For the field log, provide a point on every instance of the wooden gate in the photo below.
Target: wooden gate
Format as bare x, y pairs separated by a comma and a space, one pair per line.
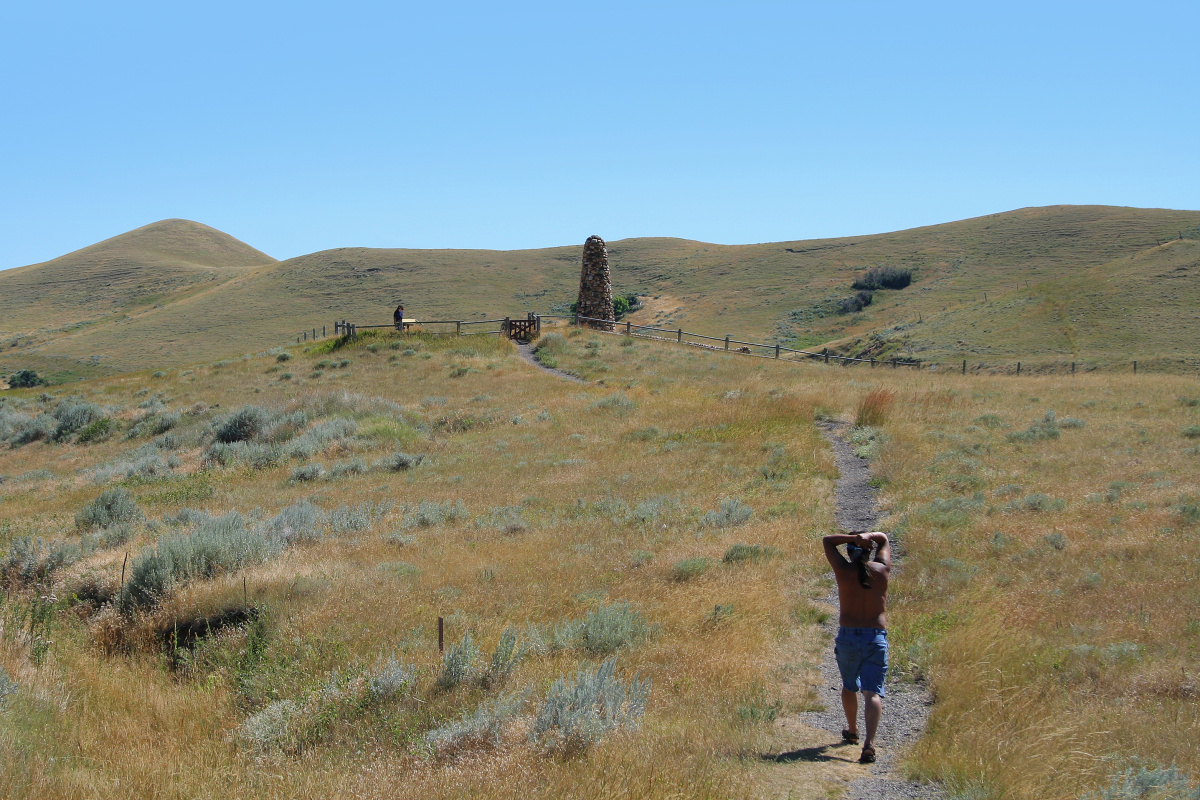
526, 329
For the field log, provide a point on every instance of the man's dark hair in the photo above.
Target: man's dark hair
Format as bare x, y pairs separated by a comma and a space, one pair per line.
859, 557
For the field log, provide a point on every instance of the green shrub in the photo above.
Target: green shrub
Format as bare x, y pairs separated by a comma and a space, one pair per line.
25, 379
505, 657
578, 713
309, 472
112, 507
253, 454
73, 415
616, 402
883, 278
1148, 783
1045, 428
429, 514
1189, 402
480, 728
243, 425
611, 627
399, 462
690, 568
96, 431
459, 663
1191, 432
217, 545
733, 512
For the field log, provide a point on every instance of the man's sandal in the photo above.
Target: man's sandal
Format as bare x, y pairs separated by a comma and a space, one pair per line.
868, 756
849, 737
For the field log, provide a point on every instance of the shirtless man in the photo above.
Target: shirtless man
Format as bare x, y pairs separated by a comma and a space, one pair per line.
861, 646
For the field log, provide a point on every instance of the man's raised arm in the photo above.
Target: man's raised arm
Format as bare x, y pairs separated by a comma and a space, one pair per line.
831, 542
883, 552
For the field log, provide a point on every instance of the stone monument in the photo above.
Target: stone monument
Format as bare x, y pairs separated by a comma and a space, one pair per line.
595, 286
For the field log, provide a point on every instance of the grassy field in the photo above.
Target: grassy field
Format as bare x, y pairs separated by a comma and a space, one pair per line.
1093, 284
161, 647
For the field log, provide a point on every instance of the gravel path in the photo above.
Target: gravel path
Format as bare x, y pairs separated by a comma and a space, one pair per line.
906, 706
525, 349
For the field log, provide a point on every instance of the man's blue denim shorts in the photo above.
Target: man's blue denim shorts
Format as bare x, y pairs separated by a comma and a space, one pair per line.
862, 658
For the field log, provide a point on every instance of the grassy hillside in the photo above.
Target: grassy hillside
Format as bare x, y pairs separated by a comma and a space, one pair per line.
1049, 529
101, 286
1064, 282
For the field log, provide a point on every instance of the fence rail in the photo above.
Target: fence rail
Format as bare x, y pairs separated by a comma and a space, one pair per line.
768, 351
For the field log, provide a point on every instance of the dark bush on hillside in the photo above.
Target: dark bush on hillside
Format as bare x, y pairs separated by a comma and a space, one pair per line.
622, 305
243, 425
857, 302
883, 278
24, 379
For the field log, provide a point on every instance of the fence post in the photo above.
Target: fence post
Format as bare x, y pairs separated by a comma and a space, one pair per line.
322, 331
727, 341
893, 363
826, 355
680, 337
777, 351
504, 327
575, 319
964, 366
314, 334
306, 336
1072, 367
458, 327
628, 328
872, 363
441, 634
1135, 368
1018, 367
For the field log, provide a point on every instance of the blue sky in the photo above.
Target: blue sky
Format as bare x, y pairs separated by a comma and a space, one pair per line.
299, 128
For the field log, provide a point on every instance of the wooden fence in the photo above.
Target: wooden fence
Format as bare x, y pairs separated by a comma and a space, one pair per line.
532, 324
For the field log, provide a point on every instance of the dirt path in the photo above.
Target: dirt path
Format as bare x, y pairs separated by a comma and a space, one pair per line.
525, 349
906, 707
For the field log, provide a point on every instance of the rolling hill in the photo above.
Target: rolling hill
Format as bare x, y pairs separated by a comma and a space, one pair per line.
1063, 281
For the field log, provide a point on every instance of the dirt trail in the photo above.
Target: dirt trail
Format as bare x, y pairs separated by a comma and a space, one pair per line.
525, 349
906, 708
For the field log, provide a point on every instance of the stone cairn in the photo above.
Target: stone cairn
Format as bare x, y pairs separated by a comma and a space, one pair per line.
595, 287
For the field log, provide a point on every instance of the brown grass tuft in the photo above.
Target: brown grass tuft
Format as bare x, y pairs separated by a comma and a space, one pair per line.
874, 406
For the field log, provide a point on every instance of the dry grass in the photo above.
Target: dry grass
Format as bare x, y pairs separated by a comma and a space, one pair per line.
873, 408
1046, 593
110, 714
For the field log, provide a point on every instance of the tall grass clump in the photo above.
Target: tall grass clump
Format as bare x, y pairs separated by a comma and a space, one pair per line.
873, 408
113, 506
580, 712
689, 568
741, 553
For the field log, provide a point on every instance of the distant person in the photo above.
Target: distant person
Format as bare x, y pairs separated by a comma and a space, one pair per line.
398, 317
861, 646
